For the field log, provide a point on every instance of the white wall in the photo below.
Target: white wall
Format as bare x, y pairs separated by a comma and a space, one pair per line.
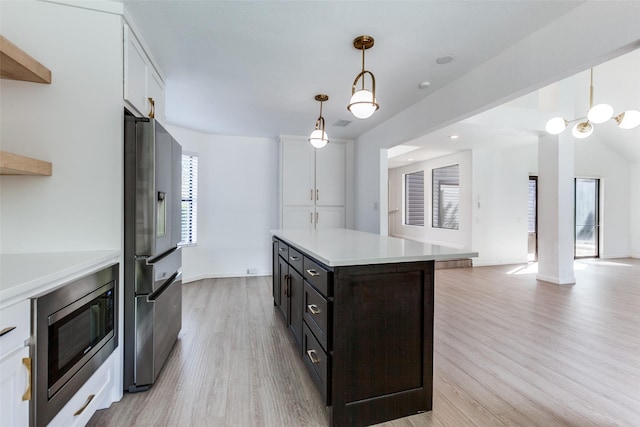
75, 123
500, 194
237, 204
634, 209
595, 160
460, 238
498, 201
544, 57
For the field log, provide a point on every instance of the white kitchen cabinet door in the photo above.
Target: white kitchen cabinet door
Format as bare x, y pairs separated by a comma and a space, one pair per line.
298, 217
329, 217
14, 382
298, 186
331, 175
135, 73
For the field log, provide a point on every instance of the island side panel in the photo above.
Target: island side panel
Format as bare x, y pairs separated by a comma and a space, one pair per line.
383, 342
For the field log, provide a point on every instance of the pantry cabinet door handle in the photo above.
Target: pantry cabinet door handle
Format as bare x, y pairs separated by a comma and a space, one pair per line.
6, 330
313, 273
311, 217
152, 112
294, 258
313, 309
311, 194
26, 361
313, 356
89, 399
317, 194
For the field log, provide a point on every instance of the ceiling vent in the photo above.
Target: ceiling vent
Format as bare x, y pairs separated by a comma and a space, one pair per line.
341, 123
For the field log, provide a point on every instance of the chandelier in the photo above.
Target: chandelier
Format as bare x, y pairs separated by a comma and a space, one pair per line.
597, 114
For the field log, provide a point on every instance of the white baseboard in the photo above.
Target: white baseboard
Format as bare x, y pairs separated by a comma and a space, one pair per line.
194, 278
564, 281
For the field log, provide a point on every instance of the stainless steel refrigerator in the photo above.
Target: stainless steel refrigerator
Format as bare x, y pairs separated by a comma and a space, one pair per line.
152, 257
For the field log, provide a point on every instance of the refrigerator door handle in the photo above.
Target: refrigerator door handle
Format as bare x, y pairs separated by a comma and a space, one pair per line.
174, 277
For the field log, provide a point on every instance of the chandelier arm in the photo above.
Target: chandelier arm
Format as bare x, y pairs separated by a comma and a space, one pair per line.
591, 90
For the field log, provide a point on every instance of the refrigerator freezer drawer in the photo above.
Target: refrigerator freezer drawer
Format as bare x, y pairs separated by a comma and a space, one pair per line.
152, 273
154, 339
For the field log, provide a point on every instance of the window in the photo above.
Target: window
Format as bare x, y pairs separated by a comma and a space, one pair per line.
414, 198
446, 197
586, 217
189, 199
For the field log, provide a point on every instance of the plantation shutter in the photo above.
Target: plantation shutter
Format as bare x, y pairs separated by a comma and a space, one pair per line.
414, 198
189, 199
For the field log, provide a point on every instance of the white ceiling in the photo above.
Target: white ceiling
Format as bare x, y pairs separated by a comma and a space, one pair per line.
252, 68
521, 121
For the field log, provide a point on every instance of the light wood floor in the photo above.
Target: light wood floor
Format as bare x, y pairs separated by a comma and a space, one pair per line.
508, 351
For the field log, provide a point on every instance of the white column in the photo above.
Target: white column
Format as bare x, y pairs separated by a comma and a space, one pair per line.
556, 208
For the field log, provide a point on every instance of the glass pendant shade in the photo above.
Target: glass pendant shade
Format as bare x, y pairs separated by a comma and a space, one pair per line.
582, 130
362, 104
629, 119
600, 113
556, 125
318, 138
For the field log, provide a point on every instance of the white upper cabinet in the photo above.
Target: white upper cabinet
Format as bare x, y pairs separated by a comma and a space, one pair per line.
313, 184
331, 172
298, 186
143, 86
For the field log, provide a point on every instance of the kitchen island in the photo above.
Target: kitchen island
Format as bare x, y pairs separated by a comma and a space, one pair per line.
360, 309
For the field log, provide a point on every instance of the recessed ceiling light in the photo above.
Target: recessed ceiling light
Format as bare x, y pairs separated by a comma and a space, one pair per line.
410, 160
444, 59
424, 85
454, 136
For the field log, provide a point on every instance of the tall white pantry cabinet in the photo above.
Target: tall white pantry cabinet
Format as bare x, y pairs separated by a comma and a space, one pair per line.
312, 184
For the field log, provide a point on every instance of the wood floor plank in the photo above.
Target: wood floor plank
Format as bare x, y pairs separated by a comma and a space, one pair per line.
509, 350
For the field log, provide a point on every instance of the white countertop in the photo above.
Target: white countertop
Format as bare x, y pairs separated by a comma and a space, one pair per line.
341, 247
24, 276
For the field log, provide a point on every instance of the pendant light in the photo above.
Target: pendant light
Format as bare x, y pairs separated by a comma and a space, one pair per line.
597, 114
363, 101
319, 137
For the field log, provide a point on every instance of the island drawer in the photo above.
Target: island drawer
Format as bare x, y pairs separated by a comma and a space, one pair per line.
283, 249
295, 259
318, 276
317, 363
317, 312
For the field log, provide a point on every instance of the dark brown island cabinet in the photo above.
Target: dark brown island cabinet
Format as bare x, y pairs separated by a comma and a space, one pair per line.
360, 309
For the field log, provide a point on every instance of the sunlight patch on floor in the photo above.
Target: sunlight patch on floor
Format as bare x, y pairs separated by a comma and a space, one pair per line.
578, 265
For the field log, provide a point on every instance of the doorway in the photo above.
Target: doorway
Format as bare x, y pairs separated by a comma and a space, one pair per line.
587, 222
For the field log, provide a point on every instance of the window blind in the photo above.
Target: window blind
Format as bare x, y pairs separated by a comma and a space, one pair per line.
414, 198
189, 223
446, 197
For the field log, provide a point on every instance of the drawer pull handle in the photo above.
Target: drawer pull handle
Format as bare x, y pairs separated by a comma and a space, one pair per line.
294, 258
6, 330
26, 361
313, 309
313, 273
313, 356
89, 399
283, 249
